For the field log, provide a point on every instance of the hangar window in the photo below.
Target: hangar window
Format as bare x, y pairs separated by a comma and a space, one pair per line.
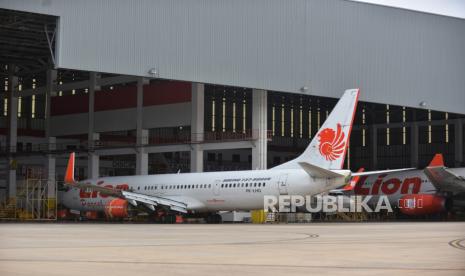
273, 119
234, 116
404, 129
292, 121
446, 116
224, 115
244, 115
213, 114
310, 122
300, 121
318, 117
429, 127
282, 118
388, 131
363, 129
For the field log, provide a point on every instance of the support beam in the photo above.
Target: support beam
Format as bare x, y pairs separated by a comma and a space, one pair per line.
142, 157
49, 93
259, 125
93, 159
50, 170
197, 126
50, 160
459, 143
142, 160
12, 137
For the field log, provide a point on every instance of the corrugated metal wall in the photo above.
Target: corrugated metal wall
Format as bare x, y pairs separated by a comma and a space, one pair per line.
396, 56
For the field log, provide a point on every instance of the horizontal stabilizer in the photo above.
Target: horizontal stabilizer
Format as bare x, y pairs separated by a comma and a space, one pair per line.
380, 172
318, 171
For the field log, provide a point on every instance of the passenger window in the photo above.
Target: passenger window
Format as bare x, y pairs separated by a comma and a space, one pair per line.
209, 185
255, 184
234, 185
246, 184
264, 184
259, 184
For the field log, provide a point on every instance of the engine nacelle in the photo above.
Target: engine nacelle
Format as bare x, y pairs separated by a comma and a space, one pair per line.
422, 204
117, 208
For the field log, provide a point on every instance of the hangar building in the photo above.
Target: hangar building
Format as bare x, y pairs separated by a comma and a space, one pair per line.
138, 87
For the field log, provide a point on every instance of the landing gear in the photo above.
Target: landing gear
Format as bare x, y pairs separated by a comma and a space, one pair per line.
214, 219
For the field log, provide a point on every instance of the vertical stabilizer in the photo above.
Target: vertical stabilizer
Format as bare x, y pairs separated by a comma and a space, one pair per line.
328, 147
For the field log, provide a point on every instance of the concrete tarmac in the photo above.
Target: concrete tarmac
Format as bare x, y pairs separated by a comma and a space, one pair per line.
436, 248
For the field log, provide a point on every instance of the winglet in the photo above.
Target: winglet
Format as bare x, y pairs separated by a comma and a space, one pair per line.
438, 161
69, 176
351, 185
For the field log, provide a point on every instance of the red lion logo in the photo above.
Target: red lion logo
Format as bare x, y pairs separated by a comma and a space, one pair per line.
332, 143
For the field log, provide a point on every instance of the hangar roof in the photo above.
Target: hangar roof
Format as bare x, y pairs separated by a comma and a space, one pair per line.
318, 47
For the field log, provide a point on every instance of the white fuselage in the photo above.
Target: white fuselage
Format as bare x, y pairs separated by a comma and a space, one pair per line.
206, 192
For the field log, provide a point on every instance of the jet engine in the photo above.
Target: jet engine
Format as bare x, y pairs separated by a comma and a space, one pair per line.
422, 204
117, 208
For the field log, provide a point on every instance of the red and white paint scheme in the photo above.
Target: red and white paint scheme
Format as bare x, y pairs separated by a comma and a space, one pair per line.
414, 192
317, 170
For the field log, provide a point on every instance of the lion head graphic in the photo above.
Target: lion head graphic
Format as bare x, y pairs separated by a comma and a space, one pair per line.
331, 143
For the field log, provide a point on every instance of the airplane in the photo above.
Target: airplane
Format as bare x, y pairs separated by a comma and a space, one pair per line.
433, 190
318, 169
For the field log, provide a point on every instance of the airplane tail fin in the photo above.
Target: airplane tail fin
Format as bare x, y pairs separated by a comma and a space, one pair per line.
69, 175
437, 161
328, 147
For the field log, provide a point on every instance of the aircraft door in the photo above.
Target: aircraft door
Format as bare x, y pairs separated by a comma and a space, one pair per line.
216, 187
282, 184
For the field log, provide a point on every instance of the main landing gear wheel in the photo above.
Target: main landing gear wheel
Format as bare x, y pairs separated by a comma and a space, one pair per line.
214, 219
